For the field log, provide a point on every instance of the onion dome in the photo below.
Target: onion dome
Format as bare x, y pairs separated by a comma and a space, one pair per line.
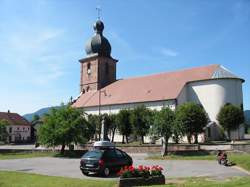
98, 44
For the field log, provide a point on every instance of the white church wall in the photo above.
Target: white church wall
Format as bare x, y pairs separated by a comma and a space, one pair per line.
182, 97
113, 109
214, 94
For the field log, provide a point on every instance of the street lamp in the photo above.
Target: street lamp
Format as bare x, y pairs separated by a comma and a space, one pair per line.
103, 128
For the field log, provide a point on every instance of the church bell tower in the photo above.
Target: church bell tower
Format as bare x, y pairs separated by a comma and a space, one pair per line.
98, 69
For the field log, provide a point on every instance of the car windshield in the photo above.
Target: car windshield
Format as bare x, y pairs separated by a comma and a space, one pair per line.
93, 154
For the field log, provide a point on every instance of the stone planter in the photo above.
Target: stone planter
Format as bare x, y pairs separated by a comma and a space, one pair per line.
140, 181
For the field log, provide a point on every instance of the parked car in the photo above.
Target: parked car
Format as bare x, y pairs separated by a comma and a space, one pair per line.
104, 160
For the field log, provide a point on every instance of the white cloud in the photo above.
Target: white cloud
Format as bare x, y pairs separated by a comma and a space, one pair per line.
169, 52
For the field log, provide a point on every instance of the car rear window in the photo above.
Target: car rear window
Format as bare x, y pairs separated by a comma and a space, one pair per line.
93, 154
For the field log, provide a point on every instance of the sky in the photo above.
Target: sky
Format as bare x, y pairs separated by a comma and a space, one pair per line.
41, 42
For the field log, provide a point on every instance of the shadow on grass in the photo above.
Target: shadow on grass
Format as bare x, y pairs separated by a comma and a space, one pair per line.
190, 153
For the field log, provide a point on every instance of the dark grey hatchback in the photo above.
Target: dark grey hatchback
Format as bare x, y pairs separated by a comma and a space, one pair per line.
104, 161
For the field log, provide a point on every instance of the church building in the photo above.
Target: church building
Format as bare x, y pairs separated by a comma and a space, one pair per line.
212, 86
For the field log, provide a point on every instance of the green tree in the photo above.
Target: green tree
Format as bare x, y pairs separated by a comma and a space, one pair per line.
230, 117
64, 126
36, 122
178, 131
193, 118
3, 130
110, 124
141, 119
123, 124
95, 122
163, 126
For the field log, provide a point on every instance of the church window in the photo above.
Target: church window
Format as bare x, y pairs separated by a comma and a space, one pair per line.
88, 68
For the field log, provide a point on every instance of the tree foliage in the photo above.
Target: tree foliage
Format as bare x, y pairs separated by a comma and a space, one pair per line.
123, 123
141, 119
163, 126
193, 118
64, 126
230, 117
95, 122
111, 124
3, 130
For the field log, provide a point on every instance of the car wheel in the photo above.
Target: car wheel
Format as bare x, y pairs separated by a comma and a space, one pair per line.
85, 173
106, 172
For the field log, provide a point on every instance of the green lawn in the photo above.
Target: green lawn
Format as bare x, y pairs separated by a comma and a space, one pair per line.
17, 179
5, 156
208, 182
242, 160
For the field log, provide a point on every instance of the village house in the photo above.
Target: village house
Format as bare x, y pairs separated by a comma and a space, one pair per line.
18, 128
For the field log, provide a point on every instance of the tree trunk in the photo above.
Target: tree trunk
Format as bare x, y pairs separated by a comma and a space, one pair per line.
196, 138
126, 139
123, 139
189, 138
113, 134
62, 148
142, 139
164, 150
229, 134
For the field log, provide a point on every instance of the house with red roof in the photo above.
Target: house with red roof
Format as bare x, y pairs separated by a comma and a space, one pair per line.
18, 128
211, 86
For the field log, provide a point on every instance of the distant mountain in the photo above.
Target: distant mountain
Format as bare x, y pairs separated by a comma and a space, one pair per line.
247, 116
40, 112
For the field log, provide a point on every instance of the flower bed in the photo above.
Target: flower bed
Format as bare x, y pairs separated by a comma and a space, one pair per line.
141, 176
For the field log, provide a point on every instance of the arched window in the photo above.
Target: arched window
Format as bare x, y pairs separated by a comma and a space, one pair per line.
88, 68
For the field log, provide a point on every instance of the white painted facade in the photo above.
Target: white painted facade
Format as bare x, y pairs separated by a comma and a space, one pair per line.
18, 133
212, 95
113, 109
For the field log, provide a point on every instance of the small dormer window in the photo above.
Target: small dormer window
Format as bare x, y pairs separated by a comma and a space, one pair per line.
88, 68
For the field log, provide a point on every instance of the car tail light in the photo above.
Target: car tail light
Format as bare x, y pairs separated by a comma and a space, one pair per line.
101, 163
82, 162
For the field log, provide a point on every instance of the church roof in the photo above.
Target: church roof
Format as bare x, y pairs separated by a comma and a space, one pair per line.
157, 87
14, 119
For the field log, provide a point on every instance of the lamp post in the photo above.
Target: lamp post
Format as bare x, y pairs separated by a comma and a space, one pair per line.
103, 128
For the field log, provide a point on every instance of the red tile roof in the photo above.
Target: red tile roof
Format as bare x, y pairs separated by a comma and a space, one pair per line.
14, 119
162, 86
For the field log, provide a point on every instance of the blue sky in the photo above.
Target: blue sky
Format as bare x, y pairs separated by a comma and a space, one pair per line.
41, 42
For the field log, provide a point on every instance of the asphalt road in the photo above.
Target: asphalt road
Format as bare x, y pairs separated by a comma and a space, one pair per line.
70, 167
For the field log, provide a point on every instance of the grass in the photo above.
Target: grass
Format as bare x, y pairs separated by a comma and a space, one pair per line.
207, 182
9, 155
18, 179
185, 156
242, 160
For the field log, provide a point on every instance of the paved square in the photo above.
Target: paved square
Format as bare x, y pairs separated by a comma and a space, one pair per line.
70, 167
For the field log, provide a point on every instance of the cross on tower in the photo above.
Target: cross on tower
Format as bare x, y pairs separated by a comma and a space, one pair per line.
98, 9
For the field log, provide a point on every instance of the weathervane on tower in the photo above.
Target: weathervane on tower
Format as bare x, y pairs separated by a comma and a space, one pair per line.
98, 9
